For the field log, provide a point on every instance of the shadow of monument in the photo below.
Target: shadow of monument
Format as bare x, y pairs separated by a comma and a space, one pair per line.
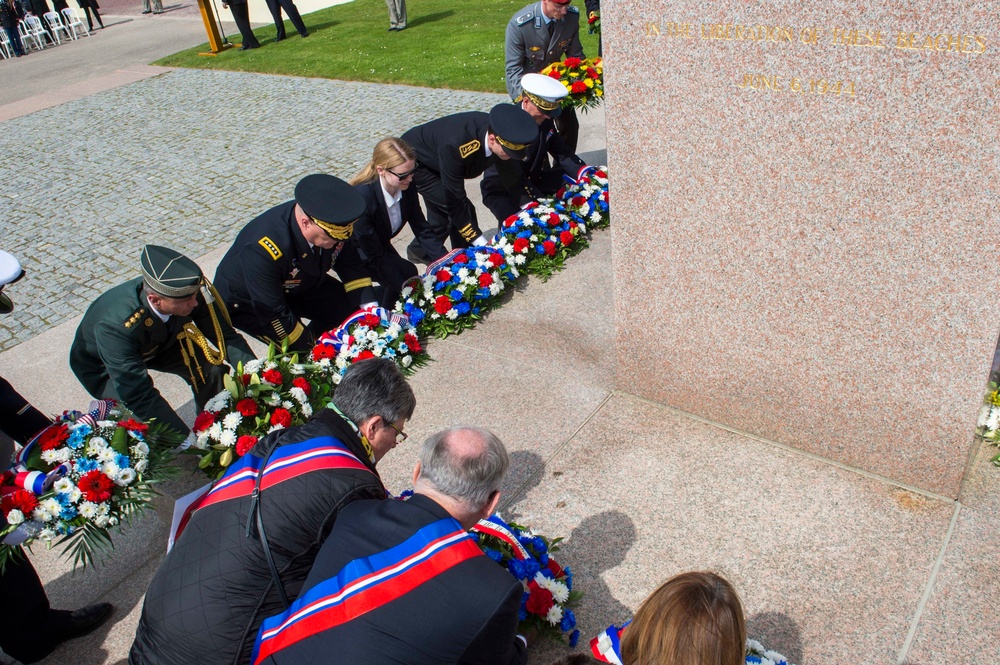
525, 474
777, 632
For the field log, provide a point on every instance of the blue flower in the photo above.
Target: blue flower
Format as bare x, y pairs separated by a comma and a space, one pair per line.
416, 316
754, 659
531, 567
544, 560
463, 307
67, 513
539, 545
574, 637
123, 461
522, 614
568, 622
475, 310
493, 554
456, 295
85, 465
569, 578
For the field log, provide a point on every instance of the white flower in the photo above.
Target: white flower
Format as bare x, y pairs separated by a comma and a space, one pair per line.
520, 259
463, 273
140, 449
275, 428
407, 290
74, 494
994, 420
560, 592
555, 615
496, 287
141, 465
218, 402
306, 410
49, 456
50, 506
372, 336
107, 455
342, 361
47, 535
232, 420
15, 517
336, 378
287, 405
202, 441
228, 438
124, 477
983, 415
270, 364
297, 370
215, 431
101, 521
407, 361
88, 509
596, 217
299, 395
251, 366
451, 314
95, 446
39, 514
274, 399
63, 485
105, 424
393, 330
324, 363
110, 469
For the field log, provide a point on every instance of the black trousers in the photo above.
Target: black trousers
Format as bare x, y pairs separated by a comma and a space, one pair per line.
241, 15
293, 14
326, 306
88, 10
29, 628
568, 126
18, 419
441, 227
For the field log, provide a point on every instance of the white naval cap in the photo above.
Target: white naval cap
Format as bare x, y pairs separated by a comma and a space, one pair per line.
10, 272
546, 93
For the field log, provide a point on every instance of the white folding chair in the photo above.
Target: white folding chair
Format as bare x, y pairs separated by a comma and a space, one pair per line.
38, 30
56, 26
73, 21
28, 37
6, 49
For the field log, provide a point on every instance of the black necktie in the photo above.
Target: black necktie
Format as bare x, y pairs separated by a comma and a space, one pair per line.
552, 28
318, 255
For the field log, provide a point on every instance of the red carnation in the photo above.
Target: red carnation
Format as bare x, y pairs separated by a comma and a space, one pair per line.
555, 567
578, 201
364, 355
53, 437
510, 221
442, 304
496, 258
281, 417
244, 444
273, 376
246, 379
247, 407
520, 245
533, 204
578, 88
572, 62
604, 195
549, 247
555, 74
573, 225
22, 500
592, 73
485, 280
601, 174
412, 342
561, 193
96, 486
134, 425
371, 320
301, 382
554, 219
539, 601
461, 258
204, 420
321, 351
566, 238
442, 275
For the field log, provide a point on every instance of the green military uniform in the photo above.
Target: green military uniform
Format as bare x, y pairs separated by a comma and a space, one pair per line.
121, 337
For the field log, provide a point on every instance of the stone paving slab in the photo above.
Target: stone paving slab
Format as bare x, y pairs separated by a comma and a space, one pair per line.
184, 159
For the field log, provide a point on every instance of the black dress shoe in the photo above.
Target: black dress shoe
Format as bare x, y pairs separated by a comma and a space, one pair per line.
303, 35
86, 620
278, 39
147, 11
415, 255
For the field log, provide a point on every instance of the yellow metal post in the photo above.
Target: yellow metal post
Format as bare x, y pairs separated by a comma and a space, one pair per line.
212, 28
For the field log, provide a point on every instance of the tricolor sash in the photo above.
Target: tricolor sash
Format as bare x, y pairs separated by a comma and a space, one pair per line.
341, 335
366, 584
495, 526
320, 453
607, 647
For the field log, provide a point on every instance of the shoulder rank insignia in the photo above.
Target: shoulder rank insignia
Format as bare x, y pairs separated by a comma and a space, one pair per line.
134, 318
467, 149
270, 247
524, 18
573, 10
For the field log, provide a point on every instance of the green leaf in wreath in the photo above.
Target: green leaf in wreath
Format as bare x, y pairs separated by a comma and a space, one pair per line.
231, 386
227, 457
205, 461
119, 441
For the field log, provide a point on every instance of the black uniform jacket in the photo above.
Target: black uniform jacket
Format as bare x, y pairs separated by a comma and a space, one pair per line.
271, 261
120, 334
373, 231
454, 147
465, 615
524, 179
213, 589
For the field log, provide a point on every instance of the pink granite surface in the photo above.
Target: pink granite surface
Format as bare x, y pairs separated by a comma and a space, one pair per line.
815, 269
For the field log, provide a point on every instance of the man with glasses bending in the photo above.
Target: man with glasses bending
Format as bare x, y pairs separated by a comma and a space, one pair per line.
537, 36
275, 274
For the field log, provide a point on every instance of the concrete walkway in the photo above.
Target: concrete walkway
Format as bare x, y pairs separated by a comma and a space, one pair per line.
833, 565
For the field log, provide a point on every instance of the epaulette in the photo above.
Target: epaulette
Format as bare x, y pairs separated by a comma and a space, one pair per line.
573, 9
270, 247
133, 318
524, 18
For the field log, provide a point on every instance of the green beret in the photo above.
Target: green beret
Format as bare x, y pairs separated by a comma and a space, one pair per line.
169, 273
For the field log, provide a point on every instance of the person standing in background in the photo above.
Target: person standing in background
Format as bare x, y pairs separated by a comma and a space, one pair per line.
156, 7
275, 6
90, 7
241, 15
397, 15
10, 14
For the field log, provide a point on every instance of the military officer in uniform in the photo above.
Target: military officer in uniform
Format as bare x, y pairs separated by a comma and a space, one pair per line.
537, 36
275, 274
169, 319
507, 186
451, 150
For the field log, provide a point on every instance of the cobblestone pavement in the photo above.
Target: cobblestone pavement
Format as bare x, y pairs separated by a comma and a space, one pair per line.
184, 160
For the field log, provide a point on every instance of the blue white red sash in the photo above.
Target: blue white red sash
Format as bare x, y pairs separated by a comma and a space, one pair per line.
321, 453
495, 526
366, 584
342, 334
607, 646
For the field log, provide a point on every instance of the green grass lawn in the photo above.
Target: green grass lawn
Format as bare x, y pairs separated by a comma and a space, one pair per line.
454, 44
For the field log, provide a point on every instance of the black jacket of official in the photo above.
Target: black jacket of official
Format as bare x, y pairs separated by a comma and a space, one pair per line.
120, 338
271, 269
453, 149
214, 588
373, 236
506, 186
467, 614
